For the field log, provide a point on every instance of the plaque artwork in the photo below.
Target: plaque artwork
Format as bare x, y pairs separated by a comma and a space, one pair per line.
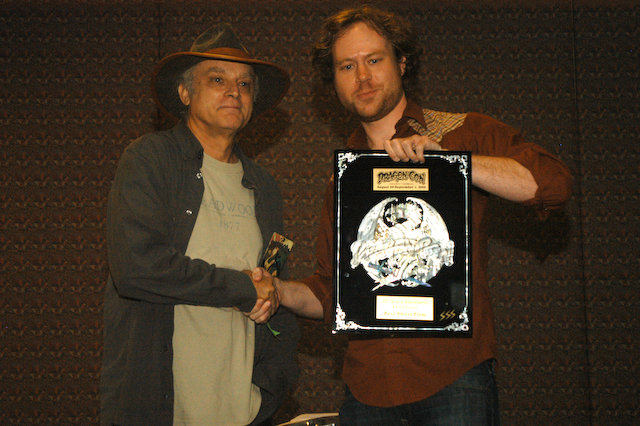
403, 242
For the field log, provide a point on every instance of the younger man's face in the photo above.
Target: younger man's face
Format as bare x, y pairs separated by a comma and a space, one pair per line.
367, 75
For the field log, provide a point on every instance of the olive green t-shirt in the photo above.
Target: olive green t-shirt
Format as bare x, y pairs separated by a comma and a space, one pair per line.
214, 347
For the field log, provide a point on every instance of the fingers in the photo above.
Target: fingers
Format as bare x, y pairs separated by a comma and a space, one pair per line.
396, 150
257, 274
268, 300
419, 151
403, 149
261, 312
256, 308
410, 149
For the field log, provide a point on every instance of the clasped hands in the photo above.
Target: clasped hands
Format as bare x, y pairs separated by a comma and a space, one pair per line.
268, 300
399, 149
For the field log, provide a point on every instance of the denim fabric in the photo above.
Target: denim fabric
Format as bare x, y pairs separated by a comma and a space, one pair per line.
471, 400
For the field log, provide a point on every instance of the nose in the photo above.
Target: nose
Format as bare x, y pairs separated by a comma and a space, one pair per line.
233, 90
363, 73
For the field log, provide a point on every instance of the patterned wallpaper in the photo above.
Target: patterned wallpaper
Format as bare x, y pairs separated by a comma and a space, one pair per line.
75, 91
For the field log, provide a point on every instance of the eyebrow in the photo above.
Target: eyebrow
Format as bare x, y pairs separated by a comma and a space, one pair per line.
374, 53
214, 68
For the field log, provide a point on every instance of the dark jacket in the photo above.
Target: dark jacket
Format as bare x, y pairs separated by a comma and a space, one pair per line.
153, 205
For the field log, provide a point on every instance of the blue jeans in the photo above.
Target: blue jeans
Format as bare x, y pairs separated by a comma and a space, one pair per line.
470, 400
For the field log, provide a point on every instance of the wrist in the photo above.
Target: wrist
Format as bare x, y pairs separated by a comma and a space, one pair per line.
283, 288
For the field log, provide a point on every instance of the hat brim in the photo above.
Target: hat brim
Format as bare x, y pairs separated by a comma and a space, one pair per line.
273, 81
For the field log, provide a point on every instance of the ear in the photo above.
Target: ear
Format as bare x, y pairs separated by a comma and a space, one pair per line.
184, 94
402, 63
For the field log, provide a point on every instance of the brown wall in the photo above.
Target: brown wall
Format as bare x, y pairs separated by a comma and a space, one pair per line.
75, 91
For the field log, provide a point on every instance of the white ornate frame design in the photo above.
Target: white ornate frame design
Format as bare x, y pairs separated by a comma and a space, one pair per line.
343, 159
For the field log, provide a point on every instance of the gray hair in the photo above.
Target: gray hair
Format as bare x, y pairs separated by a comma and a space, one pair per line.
186, 79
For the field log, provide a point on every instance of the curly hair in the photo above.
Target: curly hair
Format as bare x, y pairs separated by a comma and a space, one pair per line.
393, 28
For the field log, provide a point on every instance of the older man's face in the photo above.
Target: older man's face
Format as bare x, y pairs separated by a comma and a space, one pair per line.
221, 97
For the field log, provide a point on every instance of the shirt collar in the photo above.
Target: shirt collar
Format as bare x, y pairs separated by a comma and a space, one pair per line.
358, 139
413, 110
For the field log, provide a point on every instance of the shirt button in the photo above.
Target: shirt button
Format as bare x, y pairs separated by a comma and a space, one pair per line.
189, 212
199, 175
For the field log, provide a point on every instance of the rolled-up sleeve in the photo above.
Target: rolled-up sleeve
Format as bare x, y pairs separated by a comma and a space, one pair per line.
484, 135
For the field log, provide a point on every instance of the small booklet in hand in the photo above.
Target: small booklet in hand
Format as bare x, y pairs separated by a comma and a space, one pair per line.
275, 255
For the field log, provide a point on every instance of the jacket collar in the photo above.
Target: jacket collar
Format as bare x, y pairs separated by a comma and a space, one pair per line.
192, 149
189, 146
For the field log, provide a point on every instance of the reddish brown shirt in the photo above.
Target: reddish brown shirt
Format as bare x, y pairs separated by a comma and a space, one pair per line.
392, 371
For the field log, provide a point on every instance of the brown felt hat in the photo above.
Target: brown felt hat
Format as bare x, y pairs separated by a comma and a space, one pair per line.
218, 42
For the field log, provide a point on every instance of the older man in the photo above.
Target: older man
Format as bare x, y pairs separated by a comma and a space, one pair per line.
367, 54
188, 216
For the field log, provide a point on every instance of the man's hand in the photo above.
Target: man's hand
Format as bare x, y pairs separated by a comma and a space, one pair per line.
504, 177
411, 148
268, 299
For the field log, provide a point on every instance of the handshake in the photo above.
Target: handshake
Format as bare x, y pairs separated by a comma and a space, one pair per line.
269, 295
273, 293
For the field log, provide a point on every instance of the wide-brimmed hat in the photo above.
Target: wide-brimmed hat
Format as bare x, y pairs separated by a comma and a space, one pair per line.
218, 42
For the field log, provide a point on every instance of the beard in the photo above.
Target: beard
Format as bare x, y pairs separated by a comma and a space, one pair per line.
379, 108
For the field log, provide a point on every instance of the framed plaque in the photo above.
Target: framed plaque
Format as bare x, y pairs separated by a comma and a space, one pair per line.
402, 244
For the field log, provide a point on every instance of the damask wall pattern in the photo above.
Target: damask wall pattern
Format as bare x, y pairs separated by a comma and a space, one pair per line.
75, 92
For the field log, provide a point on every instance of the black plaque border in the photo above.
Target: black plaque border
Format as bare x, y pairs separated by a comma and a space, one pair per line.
461, 326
